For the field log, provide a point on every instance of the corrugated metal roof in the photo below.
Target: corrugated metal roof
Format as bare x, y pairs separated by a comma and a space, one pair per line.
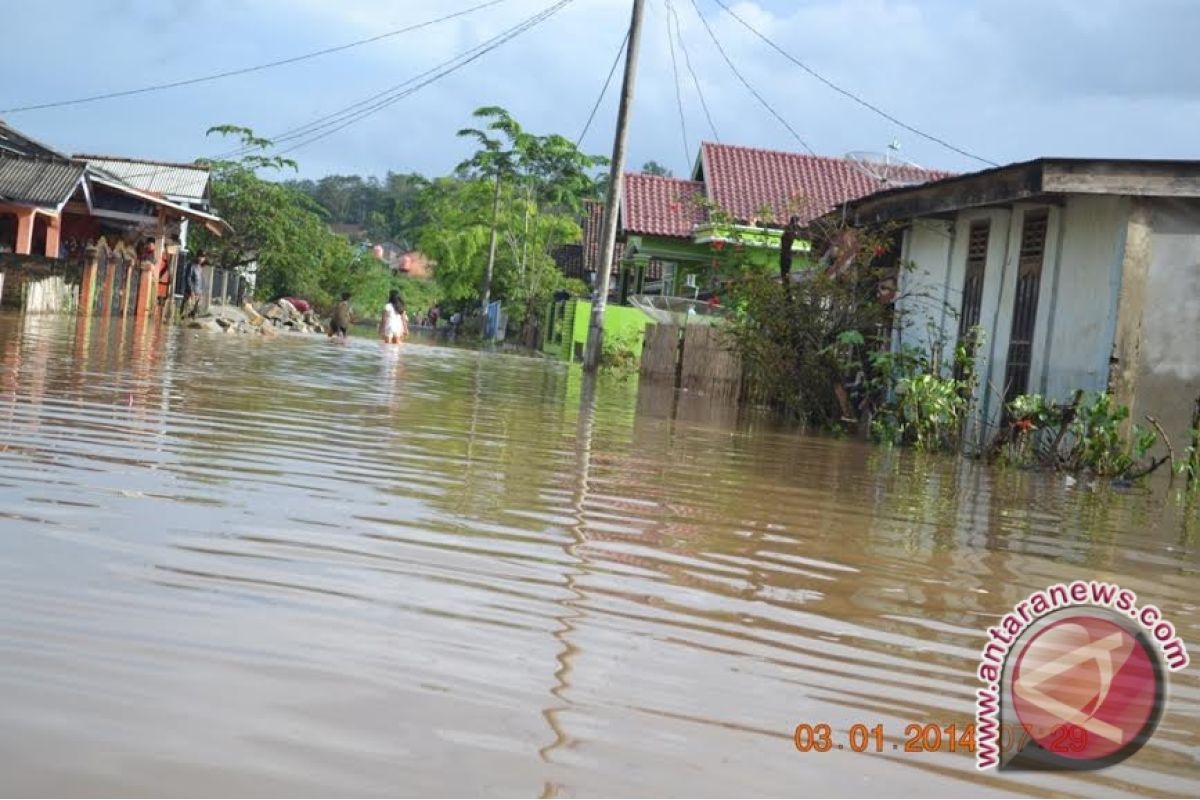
14, 143
38, 181
181, 181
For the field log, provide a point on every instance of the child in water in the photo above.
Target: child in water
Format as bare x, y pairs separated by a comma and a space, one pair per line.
394, 325
339, 323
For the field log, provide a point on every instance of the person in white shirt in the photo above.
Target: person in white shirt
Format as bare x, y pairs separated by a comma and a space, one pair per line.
394, 325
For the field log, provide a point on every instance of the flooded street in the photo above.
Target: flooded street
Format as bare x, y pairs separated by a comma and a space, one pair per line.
238, 565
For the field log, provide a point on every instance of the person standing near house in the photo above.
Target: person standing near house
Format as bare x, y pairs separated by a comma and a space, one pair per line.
339, 323
394, 325
193, 285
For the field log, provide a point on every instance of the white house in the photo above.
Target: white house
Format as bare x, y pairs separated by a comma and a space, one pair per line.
1083, 274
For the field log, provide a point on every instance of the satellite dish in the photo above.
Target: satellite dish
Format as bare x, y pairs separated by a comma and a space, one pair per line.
889, 169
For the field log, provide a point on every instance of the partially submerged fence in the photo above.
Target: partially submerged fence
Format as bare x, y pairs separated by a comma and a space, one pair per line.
697, 358
106, 282
39, 285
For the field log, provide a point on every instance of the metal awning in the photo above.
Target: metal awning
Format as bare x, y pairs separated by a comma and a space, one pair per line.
214, 223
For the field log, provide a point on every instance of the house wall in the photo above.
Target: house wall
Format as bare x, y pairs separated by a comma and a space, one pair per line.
1079, 292
1169, 365
921, 302
1077, 297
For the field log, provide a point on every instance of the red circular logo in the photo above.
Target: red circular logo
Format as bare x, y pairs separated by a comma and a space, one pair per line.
1085, 688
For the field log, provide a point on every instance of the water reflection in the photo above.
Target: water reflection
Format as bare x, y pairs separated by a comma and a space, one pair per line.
292, 565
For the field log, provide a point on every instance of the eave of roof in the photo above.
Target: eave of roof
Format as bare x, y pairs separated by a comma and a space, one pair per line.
183, 211
1027, 180
46, 182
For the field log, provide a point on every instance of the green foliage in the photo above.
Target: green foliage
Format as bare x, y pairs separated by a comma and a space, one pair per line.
619, 355
283, 231
389, 209
654, 168
922, 406
543, 181
1189, 467
927, 412
1089, 435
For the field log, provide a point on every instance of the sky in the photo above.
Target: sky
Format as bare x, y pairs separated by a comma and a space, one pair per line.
1006, 80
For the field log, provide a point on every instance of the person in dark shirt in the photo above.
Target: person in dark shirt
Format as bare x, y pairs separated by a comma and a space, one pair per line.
193, 285
339, 323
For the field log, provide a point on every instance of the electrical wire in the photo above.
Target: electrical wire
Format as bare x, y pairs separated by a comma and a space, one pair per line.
849, 94
256, 68
336, 120
746, 83
510, 34
687, 156
687, 60
603, 89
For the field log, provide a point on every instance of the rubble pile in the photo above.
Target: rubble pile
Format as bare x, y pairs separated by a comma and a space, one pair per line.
268, 319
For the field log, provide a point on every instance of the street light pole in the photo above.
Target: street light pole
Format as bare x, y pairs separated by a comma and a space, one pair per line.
591, 351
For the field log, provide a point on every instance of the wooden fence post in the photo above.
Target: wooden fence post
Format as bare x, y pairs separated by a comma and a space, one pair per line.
87, 285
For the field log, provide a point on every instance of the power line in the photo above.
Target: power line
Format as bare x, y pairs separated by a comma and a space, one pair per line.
746, 83
604, 89
848, 93
348, 115
688, 63
369, 105
257, 68
512, 33
687, 158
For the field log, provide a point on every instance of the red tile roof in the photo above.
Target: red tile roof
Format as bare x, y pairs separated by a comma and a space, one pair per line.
659, 206
748, 181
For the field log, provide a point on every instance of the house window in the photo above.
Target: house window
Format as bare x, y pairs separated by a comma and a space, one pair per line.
1025, 303
972, 293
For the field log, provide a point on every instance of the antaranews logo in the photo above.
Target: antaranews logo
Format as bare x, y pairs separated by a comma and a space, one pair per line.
1074, 679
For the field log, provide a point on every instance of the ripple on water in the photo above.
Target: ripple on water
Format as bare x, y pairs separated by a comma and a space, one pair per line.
299, 567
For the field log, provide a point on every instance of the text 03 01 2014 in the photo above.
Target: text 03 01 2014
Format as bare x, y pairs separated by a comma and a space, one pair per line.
919, 737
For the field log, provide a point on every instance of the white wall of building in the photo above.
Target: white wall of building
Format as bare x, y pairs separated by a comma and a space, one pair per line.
1077, 297
1079, 291
921, 302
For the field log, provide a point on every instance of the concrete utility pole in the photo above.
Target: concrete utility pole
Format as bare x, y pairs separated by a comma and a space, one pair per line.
591, 352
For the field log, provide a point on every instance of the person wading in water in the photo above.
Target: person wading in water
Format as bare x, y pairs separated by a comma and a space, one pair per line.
394, 325
339, 323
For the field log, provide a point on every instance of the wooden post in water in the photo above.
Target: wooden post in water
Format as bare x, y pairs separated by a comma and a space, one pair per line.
145, 291
110, 269
87, 286
129, 265
169, 302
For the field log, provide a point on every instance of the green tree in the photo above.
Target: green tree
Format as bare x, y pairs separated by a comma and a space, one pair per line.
654, 168
281, 232
494, 226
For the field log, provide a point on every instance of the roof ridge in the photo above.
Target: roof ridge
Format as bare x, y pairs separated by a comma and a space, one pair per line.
152, 161
789, 153
667, 178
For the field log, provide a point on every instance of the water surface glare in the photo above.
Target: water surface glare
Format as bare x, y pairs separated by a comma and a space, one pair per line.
234, 565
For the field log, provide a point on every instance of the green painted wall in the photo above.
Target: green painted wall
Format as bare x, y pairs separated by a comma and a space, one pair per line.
622, 322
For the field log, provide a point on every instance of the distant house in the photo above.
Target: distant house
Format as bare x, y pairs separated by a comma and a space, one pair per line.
1082, 274
402, 260
668, 227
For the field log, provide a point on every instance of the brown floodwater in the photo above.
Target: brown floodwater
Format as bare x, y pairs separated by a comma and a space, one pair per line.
236, 565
